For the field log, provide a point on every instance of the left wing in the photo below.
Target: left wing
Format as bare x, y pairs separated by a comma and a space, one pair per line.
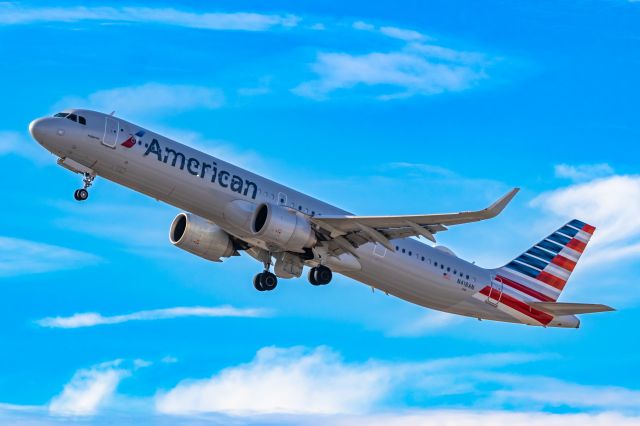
346, 233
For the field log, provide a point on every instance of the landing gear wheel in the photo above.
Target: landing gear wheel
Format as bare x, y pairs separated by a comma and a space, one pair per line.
256, 282
268, 281
81, 194
320, 275
312, 276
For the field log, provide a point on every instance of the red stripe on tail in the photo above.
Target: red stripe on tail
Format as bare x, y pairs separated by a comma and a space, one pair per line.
589, 229
576, 245
524, 289
552, 280
542, 317
564, 263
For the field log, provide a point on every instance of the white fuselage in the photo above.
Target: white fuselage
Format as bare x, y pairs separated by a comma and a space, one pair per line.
204, 185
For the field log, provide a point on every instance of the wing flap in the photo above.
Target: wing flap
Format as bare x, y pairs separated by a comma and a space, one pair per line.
560, 308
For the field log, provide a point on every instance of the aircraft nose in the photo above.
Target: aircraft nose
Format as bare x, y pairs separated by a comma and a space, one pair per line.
38, 128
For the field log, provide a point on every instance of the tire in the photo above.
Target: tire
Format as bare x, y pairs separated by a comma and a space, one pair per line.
323, 275
312, 276
268, 281
257, 282
81, 194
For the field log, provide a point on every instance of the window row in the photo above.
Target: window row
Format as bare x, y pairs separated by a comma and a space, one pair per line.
443, 268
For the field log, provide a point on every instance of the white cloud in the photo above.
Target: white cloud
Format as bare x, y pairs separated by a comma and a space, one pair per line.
610, 204
402, 34
423, 168
414, 70
550, 392
282, 381
134, 100
426, 323
318, 381
390, 31
12, 14
19, 257
20, 144
583, 172
91, 319
89, 390
363, 26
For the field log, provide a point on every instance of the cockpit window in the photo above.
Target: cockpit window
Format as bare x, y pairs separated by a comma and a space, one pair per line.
72, 117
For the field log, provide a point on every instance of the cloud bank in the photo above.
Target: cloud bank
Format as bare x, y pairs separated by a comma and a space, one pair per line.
92, 319
89, 390
12, 14
20, 257
608, 203
281, 381
134, 100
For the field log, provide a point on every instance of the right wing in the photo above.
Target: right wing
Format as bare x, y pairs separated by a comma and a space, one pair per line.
346, 233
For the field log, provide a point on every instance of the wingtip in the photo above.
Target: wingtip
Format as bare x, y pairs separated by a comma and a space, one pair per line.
497, 207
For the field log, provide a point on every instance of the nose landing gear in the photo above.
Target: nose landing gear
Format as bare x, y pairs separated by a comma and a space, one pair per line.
82, 193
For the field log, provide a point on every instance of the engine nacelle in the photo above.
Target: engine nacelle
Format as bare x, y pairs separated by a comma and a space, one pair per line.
282, 227
200, 237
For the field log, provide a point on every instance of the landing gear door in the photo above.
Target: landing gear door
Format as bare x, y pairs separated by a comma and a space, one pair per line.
495, 293
110, 137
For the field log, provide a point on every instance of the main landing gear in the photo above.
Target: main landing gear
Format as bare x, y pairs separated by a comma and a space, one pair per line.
320, 275
265, 281
268, 281
82, 193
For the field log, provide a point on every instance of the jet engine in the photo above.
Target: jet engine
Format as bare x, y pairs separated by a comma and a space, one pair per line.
282, 227
200, 237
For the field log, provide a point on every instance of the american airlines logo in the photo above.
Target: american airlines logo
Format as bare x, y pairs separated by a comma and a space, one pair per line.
196, 167
133, 139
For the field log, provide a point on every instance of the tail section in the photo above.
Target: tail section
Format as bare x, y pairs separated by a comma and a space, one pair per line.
541, 273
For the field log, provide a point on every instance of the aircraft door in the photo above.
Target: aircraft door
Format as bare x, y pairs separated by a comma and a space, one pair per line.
110, 137
495, 293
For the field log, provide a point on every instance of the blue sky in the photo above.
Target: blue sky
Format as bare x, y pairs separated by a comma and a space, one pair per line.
379, 107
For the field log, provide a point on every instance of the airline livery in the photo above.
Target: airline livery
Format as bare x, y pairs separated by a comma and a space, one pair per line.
229, 210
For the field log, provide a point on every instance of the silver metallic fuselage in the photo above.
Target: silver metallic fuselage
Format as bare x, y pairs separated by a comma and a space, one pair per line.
398, 273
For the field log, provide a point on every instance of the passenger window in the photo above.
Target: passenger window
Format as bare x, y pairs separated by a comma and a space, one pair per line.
435, 264
448, 269
409, 253
82, 121
441, 266
467, 276
403, 250
423, 258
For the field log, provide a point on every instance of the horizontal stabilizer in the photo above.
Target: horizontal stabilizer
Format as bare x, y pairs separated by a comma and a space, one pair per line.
559, 309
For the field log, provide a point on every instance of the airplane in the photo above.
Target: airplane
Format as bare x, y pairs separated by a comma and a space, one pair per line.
228, 210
